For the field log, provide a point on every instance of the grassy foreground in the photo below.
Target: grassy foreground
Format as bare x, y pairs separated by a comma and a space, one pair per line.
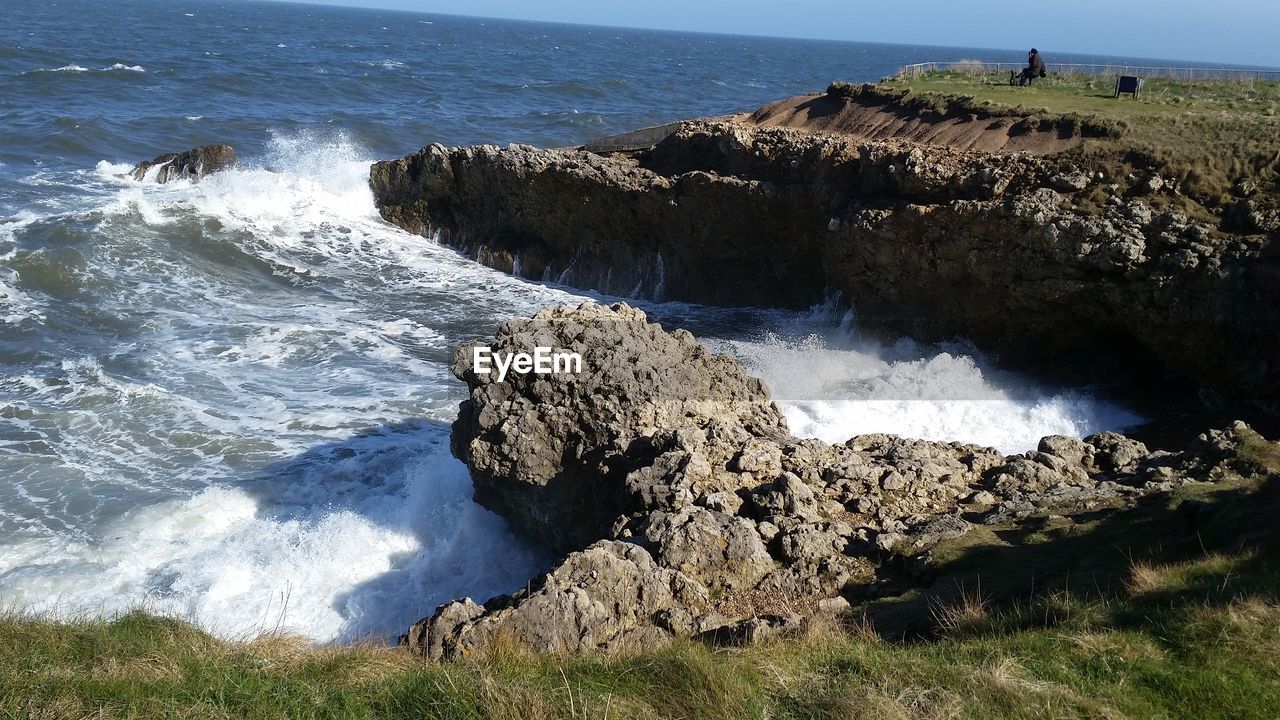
1190, 628
1209, 135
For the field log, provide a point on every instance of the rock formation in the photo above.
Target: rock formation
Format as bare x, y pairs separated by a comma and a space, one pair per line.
686, 509
190, 165
1034, 259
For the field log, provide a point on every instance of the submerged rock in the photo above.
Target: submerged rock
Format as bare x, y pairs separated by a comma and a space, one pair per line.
666, 474
190, 165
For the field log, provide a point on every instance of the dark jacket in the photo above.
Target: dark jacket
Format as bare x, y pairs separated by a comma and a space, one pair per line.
1035, 66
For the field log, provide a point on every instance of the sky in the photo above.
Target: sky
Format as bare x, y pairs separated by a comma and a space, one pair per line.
1227, 31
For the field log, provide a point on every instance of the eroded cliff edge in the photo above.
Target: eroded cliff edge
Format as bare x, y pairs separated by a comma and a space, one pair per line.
685, 509
1034, 259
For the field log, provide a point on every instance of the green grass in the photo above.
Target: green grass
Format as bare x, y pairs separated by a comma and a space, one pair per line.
1129, 614
1208, 135
1064, 93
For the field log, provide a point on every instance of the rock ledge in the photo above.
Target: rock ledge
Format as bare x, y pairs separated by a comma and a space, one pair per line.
667, 475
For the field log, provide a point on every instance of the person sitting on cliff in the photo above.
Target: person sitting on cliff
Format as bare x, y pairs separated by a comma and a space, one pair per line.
1034, 69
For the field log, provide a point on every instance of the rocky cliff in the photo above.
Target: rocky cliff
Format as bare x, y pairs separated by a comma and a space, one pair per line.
685, 508
1034, 259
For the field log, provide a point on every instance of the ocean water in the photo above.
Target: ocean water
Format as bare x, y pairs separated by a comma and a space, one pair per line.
229, 401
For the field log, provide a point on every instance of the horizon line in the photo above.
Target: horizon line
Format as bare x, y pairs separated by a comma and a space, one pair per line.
715, 33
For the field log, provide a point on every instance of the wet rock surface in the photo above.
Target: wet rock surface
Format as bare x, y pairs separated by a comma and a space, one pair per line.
686, 509
190, 165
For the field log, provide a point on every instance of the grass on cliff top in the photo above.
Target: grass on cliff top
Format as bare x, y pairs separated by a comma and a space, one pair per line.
1190, 627
1209, 134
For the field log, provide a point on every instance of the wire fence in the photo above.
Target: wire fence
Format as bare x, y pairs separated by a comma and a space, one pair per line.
979, 67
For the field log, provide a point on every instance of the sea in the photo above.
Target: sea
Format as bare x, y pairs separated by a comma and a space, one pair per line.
229, 401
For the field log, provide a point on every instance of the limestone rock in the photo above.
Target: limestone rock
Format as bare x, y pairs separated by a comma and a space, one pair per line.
734, 214
666, 476
563, 456
1070, 182
594, 599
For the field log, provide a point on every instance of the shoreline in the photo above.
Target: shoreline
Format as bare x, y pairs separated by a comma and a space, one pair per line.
700, 542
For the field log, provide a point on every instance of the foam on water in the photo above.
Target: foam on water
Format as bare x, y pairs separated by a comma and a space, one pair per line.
105, 170
290, 553
16, 307
73, 68
262, 443
832, 389
272, 451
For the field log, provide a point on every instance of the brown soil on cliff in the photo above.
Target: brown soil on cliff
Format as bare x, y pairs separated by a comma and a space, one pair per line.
872, 120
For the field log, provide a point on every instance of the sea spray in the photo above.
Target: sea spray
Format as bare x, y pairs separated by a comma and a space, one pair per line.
832, 389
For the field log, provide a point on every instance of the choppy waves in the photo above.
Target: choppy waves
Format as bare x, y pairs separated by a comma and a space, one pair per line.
352, 540
72, 68
247, 424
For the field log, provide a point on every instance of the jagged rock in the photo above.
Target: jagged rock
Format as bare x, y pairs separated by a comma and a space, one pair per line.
701, 517
562, 460
732, 214
190, 165
1149, 184
1244, 188
982, 497
1073, 450
1114, 452
722, 502
721, 552
786, 497
444, 625
1256, 216
606, 595
1070, 182
751, 630
833, 606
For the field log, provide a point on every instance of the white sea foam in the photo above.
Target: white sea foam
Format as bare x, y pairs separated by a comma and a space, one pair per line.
111, 171
270, 448
835, 390
16, 307
237, 483
81, 69
403, 537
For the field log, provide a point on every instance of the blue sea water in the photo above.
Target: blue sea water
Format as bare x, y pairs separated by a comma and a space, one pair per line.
229, 401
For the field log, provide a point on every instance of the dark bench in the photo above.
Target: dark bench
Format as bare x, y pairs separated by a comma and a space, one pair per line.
1129, 84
